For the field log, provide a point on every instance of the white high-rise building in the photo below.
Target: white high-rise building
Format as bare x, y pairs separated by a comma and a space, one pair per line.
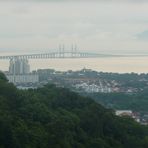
19, 66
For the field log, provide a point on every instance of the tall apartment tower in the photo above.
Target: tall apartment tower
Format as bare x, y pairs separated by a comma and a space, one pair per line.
19, 66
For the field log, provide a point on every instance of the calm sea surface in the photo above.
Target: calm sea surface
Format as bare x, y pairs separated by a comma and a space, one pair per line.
112, 64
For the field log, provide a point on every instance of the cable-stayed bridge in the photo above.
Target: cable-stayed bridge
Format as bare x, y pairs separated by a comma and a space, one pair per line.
56, 55
61, 54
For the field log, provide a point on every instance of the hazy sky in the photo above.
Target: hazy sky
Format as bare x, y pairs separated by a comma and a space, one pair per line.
94, 25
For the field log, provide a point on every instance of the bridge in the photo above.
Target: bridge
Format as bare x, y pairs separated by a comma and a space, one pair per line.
55, 55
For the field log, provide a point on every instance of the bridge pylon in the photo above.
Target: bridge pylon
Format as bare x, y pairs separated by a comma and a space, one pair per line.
61, 51
73, 50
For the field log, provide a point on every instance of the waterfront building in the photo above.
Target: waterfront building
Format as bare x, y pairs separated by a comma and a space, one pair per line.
19, 66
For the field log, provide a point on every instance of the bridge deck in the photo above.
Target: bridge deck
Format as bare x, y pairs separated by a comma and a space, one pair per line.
56, 55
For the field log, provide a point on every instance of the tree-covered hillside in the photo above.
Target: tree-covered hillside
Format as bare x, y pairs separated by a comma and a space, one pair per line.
137, 102
51, 117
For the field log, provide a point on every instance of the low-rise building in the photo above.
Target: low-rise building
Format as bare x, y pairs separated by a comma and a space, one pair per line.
18, 79
124, 113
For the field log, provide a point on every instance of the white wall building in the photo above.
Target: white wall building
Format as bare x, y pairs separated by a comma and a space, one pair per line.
123, 112
18, 79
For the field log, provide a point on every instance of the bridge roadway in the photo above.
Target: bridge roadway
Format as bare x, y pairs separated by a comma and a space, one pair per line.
55, 55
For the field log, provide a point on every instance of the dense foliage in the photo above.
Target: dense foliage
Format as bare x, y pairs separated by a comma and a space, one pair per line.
53, 117
136, 102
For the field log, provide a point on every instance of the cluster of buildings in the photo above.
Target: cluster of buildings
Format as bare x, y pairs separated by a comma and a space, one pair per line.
85, 80
92, 88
